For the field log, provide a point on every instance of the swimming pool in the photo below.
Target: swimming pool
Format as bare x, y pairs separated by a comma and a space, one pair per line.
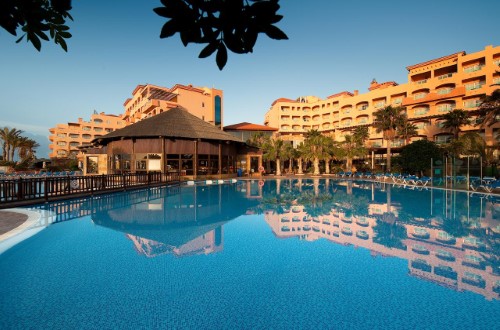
291, 253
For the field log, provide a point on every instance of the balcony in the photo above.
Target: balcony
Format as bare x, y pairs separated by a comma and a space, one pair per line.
445, 76
473, 68
457, 92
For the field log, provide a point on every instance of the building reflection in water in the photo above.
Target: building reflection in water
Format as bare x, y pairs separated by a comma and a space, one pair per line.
176, 221
448, 237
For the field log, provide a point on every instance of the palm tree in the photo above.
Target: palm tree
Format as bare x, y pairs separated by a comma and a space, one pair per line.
407, 130
489, 110
350, 148
315, 148
361, 134
387, 120
332, 151
274, 150
454, 120
8, 135
289, 154
27, 148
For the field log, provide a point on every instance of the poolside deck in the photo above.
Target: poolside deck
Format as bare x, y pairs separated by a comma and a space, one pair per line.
10, 220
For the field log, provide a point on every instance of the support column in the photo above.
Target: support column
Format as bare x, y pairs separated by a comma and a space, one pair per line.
220, 160
195, 159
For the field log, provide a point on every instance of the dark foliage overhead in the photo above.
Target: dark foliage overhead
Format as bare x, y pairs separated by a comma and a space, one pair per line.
36, 18
221, 24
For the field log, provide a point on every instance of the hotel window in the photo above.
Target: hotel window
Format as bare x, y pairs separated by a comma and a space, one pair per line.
98, 121
109, 130
74, 144
379, 104
445, 107
61, 152
87, 136
98, 129
420, 95
474, 85
440, 139
86, 128
61, 135
74, 136
61, 144
471, 104
399, 100
445, 90
421, 111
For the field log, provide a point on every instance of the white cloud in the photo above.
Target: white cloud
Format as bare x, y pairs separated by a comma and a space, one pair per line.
33, 129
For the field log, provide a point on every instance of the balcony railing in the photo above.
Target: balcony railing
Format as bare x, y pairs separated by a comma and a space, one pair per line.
473, 68
446, 75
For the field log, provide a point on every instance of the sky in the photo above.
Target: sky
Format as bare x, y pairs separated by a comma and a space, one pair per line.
333, 46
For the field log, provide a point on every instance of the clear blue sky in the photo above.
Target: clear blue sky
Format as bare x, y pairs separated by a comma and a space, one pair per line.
333, 46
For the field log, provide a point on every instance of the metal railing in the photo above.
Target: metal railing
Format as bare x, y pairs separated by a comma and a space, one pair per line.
44, 189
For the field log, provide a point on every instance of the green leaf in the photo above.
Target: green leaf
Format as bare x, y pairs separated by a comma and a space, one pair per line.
63, 44
169, 28
274, 33
19, 40
221, 57
208, 50
34, 40
65, 35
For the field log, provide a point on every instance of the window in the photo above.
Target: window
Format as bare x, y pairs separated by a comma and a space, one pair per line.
445, 90
445, 107
98, 121
61, 135
420, 95
98, 129
61, 144
109, 130
471, 104
218, 110
440, 139
474, 85
421, 111
74, 136
74, 144
87, 136
86, 128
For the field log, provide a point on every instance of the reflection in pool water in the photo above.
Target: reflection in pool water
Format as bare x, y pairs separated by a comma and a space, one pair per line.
342, 259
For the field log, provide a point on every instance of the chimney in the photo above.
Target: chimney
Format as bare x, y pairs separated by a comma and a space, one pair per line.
356, 92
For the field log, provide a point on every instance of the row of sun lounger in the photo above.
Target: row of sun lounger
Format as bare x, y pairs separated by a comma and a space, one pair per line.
487, 184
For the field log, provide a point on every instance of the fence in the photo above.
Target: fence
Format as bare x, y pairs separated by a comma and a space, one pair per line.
44, 189
460, 173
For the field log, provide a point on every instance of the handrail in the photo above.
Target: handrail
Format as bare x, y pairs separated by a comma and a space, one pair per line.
46, 188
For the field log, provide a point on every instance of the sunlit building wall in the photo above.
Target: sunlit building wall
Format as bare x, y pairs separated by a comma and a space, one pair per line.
66, 138
435, 87
149, 100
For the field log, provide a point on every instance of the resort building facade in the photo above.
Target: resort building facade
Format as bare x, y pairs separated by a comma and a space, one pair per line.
150, 100
66, 138
435, 87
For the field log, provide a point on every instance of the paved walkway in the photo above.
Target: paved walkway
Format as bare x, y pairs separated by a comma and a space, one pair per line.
10, 220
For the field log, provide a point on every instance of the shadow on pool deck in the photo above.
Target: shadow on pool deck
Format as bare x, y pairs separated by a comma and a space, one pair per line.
10, 220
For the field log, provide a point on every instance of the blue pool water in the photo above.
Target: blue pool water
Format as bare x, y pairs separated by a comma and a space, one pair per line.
261, 255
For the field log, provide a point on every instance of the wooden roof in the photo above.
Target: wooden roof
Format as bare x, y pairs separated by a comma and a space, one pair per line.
176, 123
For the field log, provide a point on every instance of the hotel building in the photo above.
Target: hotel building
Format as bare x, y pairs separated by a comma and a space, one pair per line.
435, 87
65, 138
146, 101
149, 100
